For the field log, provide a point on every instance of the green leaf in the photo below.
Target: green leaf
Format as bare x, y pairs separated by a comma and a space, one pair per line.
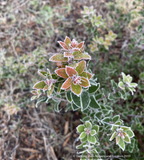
121, 85
141, 75
68, 107
125, 128
106, 119
88, 124
127, 139
80, 67
98, 115
93, 132
91, 139
56, 107
76, 89
80, 128
58, 58
39, 85
118, 123
82, 135
93, 103
41, 99
130, 133
84, 100
121, 143
76, 99
79, 56
34, 97
96, 128
42, 73
94, 88
84, 139
113, 136
114, 127
80, 146
124, 77
116, 118
68, 96
84, 156
74, 106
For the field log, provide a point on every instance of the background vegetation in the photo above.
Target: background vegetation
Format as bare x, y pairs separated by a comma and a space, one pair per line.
113, 32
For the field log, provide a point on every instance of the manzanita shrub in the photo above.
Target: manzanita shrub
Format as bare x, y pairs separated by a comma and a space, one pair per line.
75, 84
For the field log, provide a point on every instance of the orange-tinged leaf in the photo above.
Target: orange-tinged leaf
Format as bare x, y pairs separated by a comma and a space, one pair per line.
67, 89
67, 84
81, 66
84, 82
63, 45
39, 85
79, 56
66, 54
76, 89
70, 71
80, 45
67, 41
86, 75
61, 72
58, 58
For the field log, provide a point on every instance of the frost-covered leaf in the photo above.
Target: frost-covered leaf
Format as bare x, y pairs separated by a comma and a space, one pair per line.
63, 45
34, 97
130, 133
84, 82
68, 96
113, 136
61, 72
114, 127
80, 128
96, 128
94, 88
82, 135
79, 56
81, 66
56, 107
124, 77
67, 41
74, 106
39, 85
58, 58
121, 143
84, 100
88, 124
93, 132
80, 45
91, 139
42, 73
66, 84
76, 89
49, 92
116, 118
93, 103
86, 75
76, 99
127, 139
121, 85
70, 71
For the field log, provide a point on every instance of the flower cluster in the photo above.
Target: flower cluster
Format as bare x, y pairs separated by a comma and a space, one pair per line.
126, 83
73, 70
122, 134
